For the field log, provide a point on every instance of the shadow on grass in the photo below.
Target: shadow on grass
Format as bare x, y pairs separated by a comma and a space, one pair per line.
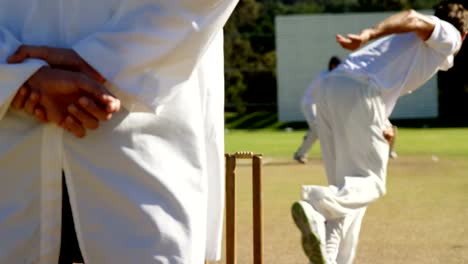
254, 120
259, 120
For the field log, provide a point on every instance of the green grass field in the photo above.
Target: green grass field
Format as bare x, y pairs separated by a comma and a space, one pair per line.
422, 219
449, 142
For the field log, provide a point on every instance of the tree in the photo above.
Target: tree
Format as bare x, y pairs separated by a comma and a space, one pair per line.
238, 51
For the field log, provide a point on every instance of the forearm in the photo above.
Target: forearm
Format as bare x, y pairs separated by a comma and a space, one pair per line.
402, 22
12, 76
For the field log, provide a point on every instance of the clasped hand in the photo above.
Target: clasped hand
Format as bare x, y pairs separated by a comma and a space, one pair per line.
69, 93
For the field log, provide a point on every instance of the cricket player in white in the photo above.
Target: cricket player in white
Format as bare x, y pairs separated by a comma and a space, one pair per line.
309, 110
353, 103
138, 184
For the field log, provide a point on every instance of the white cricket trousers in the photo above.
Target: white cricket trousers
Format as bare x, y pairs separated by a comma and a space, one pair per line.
351, 118
311, 136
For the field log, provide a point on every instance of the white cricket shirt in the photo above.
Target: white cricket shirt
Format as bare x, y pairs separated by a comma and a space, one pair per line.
308, 98
401, 63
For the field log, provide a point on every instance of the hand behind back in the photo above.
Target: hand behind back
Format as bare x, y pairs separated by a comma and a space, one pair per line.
71, 95
61, 92
62, 58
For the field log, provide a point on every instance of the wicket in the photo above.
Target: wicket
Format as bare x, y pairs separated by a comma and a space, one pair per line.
231, 254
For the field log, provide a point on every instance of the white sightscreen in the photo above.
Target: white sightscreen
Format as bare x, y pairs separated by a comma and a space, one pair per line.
305, 43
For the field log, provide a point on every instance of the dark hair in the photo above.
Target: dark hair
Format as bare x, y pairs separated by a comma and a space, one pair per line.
454, 13
334, 61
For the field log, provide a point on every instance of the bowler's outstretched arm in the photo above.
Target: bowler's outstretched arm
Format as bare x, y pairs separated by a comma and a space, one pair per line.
402, 22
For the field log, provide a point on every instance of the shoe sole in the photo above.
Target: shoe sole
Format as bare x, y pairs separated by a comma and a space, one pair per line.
299, 159
302, 161
310, 240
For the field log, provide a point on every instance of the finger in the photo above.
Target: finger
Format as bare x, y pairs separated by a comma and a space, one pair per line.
113, 104
40, 114
31, 103
93, 109
345, 40
99, 92
20, 98
342, 40
73, 126
20, 54
17, 57
354, 37
84, 118
340, 37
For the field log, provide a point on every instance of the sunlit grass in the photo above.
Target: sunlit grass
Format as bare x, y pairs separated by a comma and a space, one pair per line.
280, 143
422, 219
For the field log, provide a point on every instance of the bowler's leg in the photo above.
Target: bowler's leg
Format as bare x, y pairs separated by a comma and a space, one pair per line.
311, 136
354, 115
349, 242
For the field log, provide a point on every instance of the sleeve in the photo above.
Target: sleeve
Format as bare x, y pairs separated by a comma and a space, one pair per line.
12, 76
150, 48
211, 78
445, 38
312, 88
387, 123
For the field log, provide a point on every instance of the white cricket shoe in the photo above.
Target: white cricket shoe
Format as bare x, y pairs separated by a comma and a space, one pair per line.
300, 159
312, 226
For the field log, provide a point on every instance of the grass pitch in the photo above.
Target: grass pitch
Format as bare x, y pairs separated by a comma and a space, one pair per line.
422, 219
